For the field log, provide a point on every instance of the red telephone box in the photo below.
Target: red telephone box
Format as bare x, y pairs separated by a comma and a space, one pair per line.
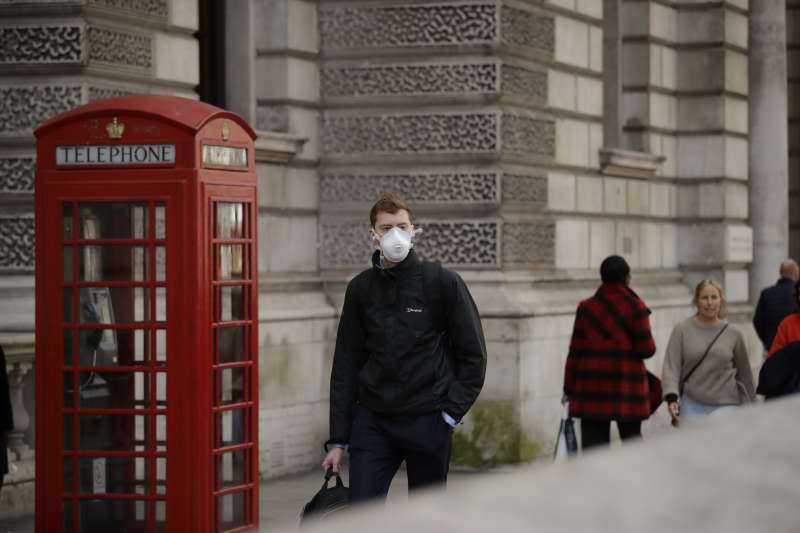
146, 319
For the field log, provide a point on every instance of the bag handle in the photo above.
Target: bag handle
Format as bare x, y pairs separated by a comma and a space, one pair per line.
708, 349
328, 475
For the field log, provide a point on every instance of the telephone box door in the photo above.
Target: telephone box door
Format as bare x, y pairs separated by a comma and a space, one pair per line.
117, 332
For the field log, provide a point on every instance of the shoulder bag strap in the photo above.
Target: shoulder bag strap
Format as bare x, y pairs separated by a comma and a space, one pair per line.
708, 349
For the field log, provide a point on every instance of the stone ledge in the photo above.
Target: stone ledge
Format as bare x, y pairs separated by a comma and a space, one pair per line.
629, 164
273, 147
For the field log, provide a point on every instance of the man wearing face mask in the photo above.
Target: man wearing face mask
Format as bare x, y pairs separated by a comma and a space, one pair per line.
409, 362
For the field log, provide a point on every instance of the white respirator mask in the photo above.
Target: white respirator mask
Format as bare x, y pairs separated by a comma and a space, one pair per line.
395, 244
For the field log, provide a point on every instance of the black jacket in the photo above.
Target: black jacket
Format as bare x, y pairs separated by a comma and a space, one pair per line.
780, 373
774, 304
390, 355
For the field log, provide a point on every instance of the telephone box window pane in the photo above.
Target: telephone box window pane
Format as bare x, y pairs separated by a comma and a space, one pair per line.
112, 347
161, 516
68, 475
68, 518
68, 306
115, 390
68, 264
161, 304
161, 222
126, 347
230, 344
69, 387
67, 346
161, 475
231, 510
161, 346
232, 469
231, 385
102, 516
231, 261
67, 432
231, 303
121, 433
67, 218
113, 263
230, 427
115, 305
161, 389
161, 433
161, 263
113, 475
113, 221
230, 221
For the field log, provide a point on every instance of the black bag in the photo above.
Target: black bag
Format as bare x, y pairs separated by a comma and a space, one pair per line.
656, 391
327, 501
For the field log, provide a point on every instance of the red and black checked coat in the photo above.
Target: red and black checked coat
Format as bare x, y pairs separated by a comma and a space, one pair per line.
605, 377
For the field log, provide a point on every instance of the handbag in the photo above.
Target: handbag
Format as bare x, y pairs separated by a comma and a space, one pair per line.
566, 441
327, 500
708, 349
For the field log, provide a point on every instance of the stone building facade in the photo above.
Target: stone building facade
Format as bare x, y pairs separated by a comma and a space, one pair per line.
532, 138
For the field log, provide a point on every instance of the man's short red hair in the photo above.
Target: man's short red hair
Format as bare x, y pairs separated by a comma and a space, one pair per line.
387, 203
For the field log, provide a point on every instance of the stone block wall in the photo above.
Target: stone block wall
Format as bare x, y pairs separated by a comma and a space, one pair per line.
793, 92
56, 56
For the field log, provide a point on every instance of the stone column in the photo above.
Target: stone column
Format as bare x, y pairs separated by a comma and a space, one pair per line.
16, 444
612, 74
769, 172
240, 96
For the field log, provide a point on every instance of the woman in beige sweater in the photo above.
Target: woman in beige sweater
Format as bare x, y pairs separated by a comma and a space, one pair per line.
723, 379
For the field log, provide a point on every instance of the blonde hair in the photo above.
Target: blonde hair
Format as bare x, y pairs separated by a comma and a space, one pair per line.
706, 283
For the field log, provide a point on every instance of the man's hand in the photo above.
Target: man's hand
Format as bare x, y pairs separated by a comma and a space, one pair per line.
333, 459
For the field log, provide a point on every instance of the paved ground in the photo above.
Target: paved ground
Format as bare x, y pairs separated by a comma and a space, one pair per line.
281, 499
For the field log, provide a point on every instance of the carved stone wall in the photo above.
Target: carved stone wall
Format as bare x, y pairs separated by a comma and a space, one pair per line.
444, 24
409, 25
416, 133
421, 187
50, 44
414, 79
156, 8
430, 63
458, 243
524, 82
16, 174
529, 243
26, 107
520, 188
527, 135
523, 28
16, 243
410, 79
120, 48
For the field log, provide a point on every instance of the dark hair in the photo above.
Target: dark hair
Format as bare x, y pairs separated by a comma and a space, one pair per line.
614, 269
387, 203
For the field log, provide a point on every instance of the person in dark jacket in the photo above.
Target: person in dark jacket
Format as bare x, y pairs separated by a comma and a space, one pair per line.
605, 377
409, 362
6, 416
776, 303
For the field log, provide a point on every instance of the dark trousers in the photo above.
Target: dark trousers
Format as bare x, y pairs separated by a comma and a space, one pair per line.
597, 432
379, 444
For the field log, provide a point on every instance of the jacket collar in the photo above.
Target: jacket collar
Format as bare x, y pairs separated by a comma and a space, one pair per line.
782, 281
410, 262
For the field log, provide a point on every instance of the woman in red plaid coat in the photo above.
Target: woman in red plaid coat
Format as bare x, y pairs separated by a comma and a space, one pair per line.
605, 378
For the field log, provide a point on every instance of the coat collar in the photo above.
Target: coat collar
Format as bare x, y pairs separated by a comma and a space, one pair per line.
410, 262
